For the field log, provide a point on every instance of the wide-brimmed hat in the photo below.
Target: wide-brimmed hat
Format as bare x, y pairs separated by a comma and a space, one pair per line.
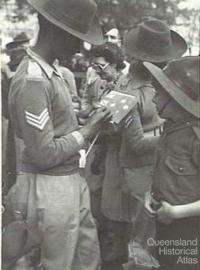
78, 17
153, 41
18, 40
180, 79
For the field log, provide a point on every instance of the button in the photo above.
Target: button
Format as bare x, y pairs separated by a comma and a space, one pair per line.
181, 169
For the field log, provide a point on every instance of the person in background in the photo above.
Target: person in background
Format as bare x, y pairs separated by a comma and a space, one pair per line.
49, 193
113, 35
139, 141
16, 50
69, 78
107, 62
174, 198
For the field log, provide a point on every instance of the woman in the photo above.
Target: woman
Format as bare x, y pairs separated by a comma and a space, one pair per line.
106, 64
104, 71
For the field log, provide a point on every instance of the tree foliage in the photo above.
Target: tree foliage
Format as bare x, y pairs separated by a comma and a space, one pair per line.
128, 13
123, 13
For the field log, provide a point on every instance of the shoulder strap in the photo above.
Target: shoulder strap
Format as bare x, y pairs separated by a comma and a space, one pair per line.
196, 130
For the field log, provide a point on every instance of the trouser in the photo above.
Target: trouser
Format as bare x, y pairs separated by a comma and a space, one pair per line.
137, 183
143, 226
113, 236
60, 207
178, 244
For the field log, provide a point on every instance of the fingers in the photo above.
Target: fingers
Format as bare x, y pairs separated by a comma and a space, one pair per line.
102, 114
147, 204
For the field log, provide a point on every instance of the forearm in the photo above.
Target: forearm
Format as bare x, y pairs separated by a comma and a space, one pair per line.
186, 210
142, 145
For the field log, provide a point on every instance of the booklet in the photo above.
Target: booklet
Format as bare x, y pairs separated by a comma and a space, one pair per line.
119, 104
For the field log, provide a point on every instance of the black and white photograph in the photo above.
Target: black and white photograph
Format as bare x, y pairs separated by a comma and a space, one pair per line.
100, 134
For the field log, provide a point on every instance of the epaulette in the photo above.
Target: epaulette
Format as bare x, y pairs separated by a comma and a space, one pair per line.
196, 131
34, 71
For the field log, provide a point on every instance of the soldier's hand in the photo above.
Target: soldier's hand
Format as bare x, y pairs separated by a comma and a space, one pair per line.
148, 204
95, 122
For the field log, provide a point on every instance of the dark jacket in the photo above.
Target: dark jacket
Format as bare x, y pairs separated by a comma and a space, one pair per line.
138, 139
176, 177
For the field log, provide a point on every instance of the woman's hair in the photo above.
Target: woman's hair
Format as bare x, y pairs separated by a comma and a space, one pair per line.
139, 69
111, 52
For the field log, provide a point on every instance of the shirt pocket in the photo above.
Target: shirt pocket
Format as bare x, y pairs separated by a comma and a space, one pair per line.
181, 167
184, 176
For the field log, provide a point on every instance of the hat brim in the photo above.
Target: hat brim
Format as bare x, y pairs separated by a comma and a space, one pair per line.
174, 91
176, 50
93, 36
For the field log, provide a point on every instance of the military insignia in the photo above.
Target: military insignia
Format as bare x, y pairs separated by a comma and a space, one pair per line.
128, 121
38, 121
197, 131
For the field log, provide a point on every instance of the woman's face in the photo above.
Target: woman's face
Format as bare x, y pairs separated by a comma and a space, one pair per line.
104, 69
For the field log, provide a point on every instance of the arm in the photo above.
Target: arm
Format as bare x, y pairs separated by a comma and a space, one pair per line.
135, 138
167, 212
34, 116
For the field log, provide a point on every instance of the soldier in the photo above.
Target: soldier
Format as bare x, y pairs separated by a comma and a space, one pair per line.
16, 50
49, 192
175, 197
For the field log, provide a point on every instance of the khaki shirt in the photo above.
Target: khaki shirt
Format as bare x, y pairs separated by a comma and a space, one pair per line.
176, 176
42, 113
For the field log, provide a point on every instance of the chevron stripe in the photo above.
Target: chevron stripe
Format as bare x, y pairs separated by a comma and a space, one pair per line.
37, 121
35, 116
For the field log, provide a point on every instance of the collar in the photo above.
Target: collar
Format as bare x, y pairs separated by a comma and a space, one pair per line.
49, 70
170, 126
129, 79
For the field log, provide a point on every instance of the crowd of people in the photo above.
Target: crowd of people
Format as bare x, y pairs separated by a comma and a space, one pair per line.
80, 193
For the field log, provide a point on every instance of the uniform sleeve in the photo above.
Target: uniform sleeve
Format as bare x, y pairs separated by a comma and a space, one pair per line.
33, 108
135, 138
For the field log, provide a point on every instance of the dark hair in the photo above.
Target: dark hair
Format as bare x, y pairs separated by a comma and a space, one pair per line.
111, 52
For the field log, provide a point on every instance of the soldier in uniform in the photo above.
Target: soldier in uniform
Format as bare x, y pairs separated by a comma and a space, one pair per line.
49, 192
175, 197
16, 50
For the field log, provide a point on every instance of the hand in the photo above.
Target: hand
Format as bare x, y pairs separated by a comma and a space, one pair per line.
95, 122
148, 204
165, 213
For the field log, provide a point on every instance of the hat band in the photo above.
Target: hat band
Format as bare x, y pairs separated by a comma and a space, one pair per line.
187, 91
179, 83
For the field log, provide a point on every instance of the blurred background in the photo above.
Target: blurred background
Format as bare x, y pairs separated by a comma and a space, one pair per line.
16, 16
182, 15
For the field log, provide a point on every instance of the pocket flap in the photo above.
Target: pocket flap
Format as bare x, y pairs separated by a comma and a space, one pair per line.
180, 166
